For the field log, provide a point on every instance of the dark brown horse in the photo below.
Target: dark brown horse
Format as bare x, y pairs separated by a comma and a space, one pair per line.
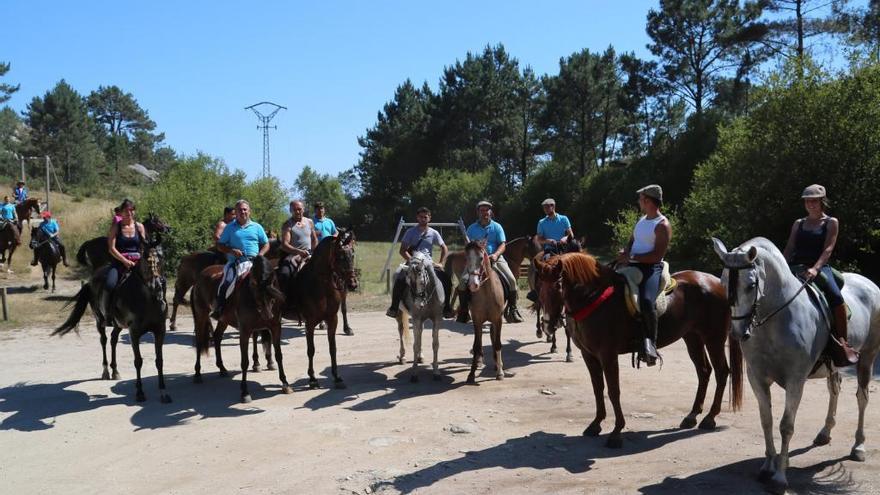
254, 305
48, 255
697, 312
138, 304
24, 209
316, 292
10, 238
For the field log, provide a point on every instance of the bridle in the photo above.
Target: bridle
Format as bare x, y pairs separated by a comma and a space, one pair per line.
480, 275
425, 276
752, 314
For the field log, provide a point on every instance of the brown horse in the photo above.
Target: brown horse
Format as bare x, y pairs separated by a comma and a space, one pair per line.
316, 292
47, 253
486, 305
10, 238
255, 304
24, 209
697, 312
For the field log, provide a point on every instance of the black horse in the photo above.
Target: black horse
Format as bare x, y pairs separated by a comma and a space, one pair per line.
138, 303
47, 254
95, 253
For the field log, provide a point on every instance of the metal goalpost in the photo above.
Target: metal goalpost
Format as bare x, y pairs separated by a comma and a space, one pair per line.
386, 275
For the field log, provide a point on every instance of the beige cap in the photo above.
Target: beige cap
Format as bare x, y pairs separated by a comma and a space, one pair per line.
814, 191
549, 201
484, 203
652, 191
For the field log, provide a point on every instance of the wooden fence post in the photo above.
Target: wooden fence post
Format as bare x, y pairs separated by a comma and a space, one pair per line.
3, 302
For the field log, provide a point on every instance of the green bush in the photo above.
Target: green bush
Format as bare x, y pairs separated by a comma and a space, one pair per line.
451, 194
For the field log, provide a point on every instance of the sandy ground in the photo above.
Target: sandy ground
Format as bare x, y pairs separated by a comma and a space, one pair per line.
64, 429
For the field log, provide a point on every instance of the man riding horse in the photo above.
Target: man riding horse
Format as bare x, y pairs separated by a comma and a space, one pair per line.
491, 234
50, 233
554, 235
240, 242
421, 238
20, 192
298, 240
9, 219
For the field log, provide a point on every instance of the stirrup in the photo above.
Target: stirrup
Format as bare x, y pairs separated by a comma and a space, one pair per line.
392, 312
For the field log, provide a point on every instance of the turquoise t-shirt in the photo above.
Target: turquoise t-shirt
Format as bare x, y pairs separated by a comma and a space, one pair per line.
492, 234
49, 226
553, 228
7, 211
248, 239
324, 227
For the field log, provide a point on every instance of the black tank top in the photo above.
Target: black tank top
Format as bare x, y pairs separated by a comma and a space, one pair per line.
809, 244
128, 247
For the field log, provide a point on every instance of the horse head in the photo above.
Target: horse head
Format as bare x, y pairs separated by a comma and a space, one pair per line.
262, 282
742, 275
419, 277
477, 265
154, 225
550, 290
343, 259
150, 266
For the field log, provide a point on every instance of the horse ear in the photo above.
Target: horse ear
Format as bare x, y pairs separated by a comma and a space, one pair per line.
719, 247
752, 254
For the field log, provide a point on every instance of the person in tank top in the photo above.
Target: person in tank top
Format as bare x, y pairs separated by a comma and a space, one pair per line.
298, 240
124, 242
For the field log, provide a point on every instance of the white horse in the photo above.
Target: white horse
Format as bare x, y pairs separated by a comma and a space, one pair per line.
423, 300
783, 334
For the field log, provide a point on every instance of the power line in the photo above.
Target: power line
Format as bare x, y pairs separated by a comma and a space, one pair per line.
265, 118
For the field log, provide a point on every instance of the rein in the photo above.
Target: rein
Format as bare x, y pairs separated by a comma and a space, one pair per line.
596, 299
752, 315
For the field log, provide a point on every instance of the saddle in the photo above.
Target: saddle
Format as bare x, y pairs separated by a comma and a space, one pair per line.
633, 277
817, 290
4, 223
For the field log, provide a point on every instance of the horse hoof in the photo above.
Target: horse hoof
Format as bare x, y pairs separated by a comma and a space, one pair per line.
115, 375
270, 367
509, 374
614, 442
172, 327
688, 423
140, 397
340, 384
286, 390
223, 372
414, 379
166, 399
707, 424
438, 377
246, 399
857, 455
197, 379
549, 339
471, 379
105, 375
777, 487
552, 350
313, 384
822, 439
539, 334
256, 368
421, 360
348, 331
593, 430
569, 358
400, 360
499, 377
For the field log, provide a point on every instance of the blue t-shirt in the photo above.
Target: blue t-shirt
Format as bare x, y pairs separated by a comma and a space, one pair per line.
247, 239
7, 211
492, 234
324, 227
49, 226
20, 193
424, 243
553, 228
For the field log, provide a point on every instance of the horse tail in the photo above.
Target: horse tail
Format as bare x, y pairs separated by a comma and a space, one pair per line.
81, 255
82, 299
736, 376
202, 325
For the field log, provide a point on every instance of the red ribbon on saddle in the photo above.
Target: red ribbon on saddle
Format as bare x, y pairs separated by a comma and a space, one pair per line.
588, 309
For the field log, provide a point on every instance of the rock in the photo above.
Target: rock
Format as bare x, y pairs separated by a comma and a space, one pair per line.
643, 415
547, 392
466, 428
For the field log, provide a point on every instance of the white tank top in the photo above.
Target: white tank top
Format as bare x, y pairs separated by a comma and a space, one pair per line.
644, 236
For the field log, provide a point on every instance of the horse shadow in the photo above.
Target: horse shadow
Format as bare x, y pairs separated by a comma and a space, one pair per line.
540, 451
511, 354
35, 406
829, 477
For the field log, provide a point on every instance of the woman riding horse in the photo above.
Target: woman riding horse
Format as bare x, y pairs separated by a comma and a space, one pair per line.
125, 242
50, 232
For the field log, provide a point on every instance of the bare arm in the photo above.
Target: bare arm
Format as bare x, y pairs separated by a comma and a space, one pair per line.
662, 235
444, 251
314, 235
789, 245
218, 231
404, 251
286, 246
569, 235
264, 249
499, 251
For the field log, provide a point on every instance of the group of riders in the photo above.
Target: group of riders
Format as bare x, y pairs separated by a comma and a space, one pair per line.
48, 231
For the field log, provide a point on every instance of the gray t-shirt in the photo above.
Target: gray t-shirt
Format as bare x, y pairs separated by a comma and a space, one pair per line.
300, 237
423, 242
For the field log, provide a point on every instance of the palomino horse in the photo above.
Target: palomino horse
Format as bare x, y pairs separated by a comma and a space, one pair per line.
137, 304
593, 294
48, 255
487, 304
423, 301
315, 293
10, 238
95, 252
24, 209
255, 304
783, 334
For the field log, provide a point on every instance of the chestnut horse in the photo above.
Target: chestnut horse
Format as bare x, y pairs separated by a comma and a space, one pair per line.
255, 304
24, 209
316, 292
697, 312
486, 305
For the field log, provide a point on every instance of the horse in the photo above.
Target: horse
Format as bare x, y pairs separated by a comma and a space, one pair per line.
783, 334
24, 209
254, 305
138, 304
487, 304
593, 294
10, 238
423, 301
48, 255
96, 253
315, 292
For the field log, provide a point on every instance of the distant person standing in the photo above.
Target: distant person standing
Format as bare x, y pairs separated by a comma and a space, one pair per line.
324, 226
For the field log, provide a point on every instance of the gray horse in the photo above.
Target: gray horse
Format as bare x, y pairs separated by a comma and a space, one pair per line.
783, 334
423, 300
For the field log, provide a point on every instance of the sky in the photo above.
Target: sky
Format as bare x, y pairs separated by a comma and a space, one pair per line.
195, 65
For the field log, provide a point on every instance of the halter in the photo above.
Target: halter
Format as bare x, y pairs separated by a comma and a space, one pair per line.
481, 274
752, 315
426, 277
338, 277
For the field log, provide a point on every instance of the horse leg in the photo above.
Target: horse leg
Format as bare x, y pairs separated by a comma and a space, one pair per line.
106, 374
435, 343
697, 352
612, 377
722, 372
310, 351
332, 321
552, 340
761, 389
539, 332
793, 393
568, 356
595, 368
418, 326
138, 362
243, 339
45, 277
172, 324
256, 357
114, 339
267, 347
53, 278
476, 351
495, 335
160, 340
276, 342
402, 328
218, 357
833, 382
345, 328
865, 370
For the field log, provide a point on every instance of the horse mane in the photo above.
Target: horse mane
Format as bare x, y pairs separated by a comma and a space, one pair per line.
577, 268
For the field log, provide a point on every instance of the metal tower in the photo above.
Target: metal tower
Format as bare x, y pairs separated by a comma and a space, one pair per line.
271, 109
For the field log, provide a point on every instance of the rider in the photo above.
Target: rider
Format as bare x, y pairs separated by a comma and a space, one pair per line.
124, 241
491, 233
50, 230
20, 192
9, 218
645, 250
422, 238
810, 244
324, 226
240, 241
553, 232
298, 240
228, 216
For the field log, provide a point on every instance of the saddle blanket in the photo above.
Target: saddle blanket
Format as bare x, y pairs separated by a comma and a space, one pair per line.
633, 277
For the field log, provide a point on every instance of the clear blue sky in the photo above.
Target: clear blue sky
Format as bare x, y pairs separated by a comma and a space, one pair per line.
195, 65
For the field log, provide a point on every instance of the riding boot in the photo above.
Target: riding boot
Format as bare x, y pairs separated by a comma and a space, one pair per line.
513, 315
217, 310
464, 297
649, 346
843, 354
396, 296
63, 251
532, 295
446, 282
